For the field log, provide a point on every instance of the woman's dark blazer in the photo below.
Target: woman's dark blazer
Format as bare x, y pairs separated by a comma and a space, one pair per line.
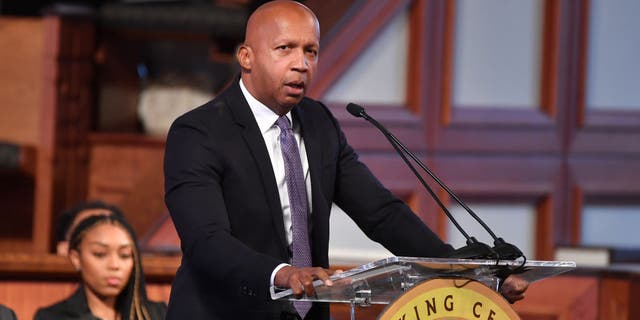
76, 308
7, 313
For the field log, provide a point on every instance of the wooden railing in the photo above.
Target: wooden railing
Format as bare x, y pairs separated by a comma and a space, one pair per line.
32, 281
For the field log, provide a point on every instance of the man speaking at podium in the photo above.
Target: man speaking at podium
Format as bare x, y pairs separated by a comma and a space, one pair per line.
250, 178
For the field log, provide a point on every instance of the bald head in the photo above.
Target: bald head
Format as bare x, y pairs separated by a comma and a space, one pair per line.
280, 53
271, 13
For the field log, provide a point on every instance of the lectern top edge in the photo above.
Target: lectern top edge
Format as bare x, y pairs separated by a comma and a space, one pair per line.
387, 278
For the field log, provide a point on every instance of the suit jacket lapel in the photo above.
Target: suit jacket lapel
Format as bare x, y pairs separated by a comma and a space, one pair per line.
313, 148
253, 138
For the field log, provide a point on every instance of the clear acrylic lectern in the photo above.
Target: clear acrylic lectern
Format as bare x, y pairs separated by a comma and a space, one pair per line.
382, 281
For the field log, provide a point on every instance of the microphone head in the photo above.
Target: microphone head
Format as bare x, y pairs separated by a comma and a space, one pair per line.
506, 251
355, 110
473, 250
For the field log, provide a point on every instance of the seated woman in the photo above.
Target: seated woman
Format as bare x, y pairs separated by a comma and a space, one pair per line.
103, 248
6, 313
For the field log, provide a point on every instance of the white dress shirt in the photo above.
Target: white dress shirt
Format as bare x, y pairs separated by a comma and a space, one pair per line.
266, 120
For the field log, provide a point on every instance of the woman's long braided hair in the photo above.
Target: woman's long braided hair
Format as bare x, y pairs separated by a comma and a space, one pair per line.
132, 301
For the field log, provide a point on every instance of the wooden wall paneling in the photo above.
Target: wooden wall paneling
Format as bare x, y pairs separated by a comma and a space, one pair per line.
494, 132
363, 136
614, 300
634, 293
21, 97
580, 35
524, 139
25, 297
332, 14
544, 228
561, 298
120, 86
377, 153
342, 311
562, 218
615, 132
575, 210
443, 109
569, 68
29, 281
416, 73
427, 208
603, 162
549, 58
62, 158
600, 178
390, 169
486, 176
126, 170
598, 132
502, 179
16, 194
490, 129
608, 132
569, 48
350, 40
384, 162
428, 86
603, 146
20, 79
73, 116
20, 266
619, 293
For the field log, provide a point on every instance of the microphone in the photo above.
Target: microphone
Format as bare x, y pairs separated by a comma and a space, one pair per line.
474, 249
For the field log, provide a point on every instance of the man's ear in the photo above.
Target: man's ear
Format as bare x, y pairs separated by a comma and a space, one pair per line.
244, 56
74, 257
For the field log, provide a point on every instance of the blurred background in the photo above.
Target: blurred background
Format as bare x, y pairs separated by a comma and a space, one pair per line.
528, 110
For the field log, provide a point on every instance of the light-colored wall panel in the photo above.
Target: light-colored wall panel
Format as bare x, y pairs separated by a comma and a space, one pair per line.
379, 76
348, 245
613, 74
496, 53
608, 225
514, 223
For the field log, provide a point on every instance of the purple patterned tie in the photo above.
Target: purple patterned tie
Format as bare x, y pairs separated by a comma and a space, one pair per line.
297, 191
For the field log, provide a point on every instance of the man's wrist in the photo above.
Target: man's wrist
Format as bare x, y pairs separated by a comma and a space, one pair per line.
275, 271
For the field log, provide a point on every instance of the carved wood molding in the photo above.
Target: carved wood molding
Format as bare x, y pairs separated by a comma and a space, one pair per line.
352, 38
17, 266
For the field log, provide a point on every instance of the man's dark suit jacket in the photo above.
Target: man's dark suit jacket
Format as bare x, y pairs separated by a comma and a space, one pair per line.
223, 199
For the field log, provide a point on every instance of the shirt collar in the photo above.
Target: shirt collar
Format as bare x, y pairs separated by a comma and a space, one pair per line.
265, 117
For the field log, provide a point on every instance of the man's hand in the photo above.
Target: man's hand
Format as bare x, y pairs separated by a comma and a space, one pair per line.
513, 288
300, 280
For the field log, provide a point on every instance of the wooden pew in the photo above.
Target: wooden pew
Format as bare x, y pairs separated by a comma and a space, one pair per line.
31, 281
46, 67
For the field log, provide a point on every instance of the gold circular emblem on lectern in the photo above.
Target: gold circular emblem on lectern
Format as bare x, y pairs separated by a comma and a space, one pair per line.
449, 299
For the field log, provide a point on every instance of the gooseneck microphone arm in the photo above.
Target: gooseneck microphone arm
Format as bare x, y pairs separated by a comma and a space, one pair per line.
474, 248
398, 146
